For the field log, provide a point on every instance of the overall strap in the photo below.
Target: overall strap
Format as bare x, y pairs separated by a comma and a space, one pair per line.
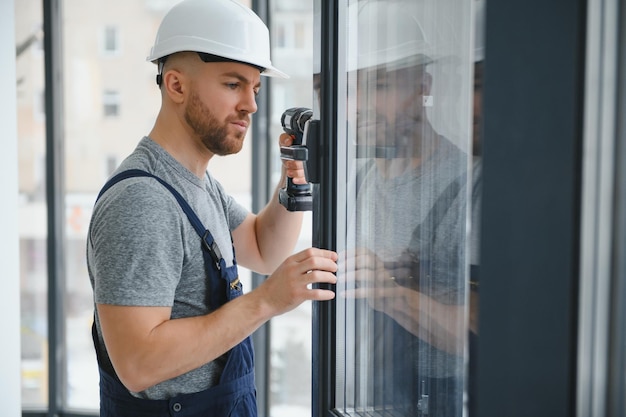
207, 239
440, 208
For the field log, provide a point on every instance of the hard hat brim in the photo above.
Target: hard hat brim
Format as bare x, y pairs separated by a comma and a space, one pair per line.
273, 72
269, 71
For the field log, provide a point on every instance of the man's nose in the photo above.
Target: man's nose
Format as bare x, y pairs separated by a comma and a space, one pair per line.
248, 102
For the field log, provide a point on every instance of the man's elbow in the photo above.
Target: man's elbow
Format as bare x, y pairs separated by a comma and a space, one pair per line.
133, 377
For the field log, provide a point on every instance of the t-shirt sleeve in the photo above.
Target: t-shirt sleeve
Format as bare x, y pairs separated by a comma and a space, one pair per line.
136, 245
235, 212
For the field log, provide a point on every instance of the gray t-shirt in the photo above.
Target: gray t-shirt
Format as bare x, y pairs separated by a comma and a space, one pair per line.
143, 251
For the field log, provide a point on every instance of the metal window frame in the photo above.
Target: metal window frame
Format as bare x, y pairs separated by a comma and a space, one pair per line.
325, 201
616, 403
261, 193
55, 198
599, 213
601, 358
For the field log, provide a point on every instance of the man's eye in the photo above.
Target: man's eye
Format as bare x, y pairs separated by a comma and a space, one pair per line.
232, 86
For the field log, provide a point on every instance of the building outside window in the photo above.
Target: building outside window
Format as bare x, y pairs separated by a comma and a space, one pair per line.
110, 103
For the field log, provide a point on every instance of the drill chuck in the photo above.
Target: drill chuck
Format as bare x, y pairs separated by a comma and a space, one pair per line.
294, 121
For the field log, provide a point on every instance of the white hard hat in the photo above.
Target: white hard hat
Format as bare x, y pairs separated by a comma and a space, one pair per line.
396, 33
223, 28
386, 34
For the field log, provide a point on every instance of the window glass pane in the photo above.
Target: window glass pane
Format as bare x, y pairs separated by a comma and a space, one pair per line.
403, 288
32, 203
110, 103
290, 351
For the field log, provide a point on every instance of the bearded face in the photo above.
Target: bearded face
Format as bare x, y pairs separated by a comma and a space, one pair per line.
214, 134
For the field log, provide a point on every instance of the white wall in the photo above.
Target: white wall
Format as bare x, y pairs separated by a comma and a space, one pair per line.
10, 387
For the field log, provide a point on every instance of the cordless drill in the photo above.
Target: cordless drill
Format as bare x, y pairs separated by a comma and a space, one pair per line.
295, 121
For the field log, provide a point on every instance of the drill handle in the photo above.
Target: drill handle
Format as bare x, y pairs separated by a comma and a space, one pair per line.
294, 153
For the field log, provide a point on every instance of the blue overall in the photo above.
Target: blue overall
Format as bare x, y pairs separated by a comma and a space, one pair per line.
235, 395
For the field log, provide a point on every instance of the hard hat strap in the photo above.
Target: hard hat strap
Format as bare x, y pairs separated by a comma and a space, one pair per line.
159, 77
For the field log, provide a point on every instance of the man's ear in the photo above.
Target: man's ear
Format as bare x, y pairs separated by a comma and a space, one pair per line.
173, 85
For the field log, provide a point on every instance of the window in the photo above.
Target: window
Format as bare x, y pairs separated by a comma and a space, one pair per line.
402, 310
291, 31
111, 40
32, 206
373, 375
111, 164
39, 106
290, 335
111, 103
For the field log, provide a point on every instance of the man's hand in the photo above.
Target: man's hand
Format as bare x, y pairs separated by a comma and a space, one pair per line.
291, 283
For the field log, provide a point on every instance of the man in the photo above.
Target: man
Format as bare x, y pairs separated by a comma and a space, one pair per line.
171, 323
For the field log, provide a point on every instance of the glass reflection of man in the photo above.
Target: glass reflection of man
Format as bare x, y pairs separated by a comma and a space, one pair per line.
410, 227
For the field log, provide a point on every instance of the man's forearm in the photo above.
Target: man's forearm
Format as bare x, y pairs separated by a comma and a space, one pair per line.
144, 356
277, 230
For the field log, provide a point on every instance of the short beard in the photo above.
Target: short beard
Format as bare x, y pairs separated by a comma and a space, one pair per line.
213, 134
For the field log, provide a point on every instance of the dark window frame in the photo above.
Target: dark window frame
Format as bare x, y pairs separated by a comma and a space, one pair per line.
325, 202
55, 196
616, 403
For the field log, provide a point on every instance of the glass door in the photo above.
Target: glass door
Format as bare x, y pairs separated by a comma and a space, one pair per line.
402, 93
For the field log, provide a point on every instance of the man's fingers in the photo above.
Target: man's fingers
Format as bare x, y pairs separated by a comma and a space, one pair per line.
295, 171
321, 295
321, 277
311, 253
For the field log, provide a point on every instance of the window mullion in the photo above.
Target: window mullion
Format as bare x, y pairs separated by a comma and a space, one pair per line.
261, 193
55, 189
